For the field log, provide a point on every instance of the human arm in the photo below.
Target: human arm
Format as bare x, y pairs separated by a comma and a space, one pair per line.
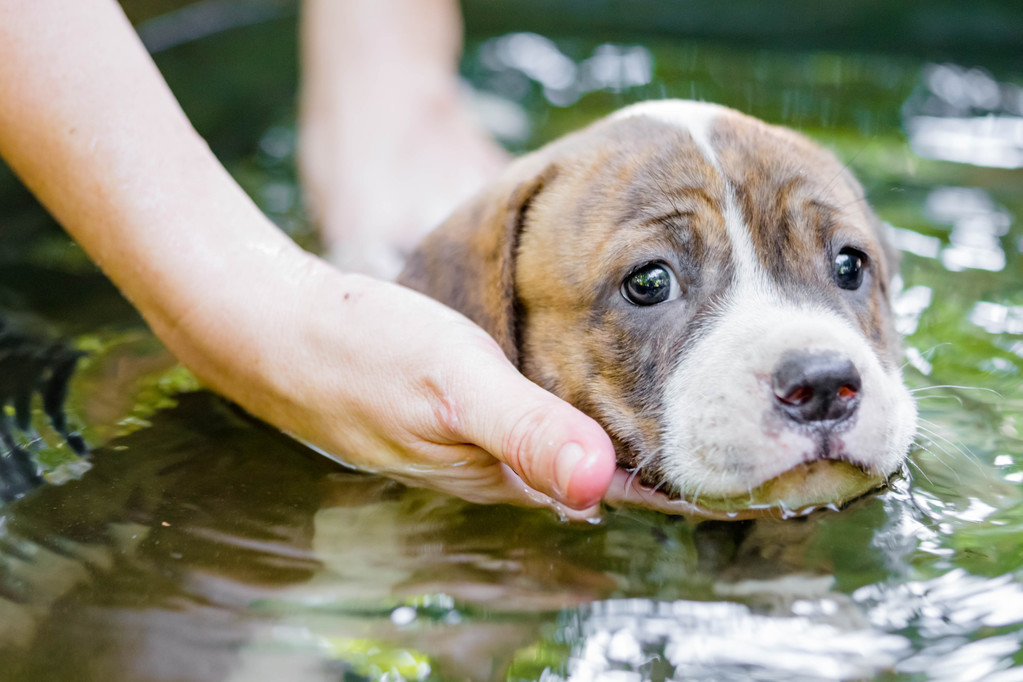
389, 145
387, 379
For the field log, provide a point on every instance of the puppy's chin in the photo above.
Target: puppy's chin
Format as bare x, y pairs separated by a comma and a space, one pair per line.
798, 491
735, 444
765, 253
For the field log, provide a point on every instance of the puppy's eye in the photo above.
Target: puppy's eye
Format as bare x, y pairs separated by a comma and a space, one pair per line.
849, 266
649, 285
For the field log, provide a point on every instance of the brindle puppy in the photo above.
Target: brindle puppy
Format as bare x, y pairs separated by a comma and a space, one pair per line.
713, 290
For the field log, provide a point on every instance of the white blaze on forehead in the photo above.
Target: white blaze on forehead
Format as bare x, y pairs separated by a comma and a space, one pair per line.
694, 117
697, 118
749, 276
721, 435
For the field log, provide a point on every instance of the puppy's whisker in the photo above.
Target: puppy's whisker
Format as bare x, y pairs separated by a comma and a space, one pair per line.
916, 466
938, 397
632, 477
648, 458
929, 433
861, 200
695, 497
844, 169
929, 353
653, 491
941, 458
914, 496
925, 425
962, 388
697, 493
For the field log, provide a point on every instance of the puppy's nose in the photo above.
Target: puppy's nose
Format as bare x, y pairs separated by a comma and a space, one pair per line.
816, 387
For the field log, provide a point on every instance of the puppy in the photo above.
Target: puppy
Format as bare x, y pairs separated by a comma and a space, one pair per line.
712, 289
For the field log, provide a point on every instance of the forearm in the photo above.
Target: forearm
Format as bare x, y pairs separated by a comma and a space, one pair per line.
366, 46
390, 379
89, 125
389, 144
357, 52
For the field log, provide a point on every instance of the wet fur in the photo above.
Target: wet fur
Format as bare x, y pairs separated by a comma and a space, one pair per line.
538, 260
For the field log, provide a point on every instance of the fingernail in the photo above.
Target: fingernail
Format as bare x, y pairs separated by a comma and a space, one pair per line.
564, 466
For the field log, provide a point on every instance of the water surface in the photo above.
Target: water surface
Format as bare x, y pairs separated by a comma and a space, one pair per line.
203, 545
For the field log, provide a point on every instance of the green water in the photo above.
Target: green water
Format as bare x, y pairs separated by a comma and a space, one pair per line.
201, 545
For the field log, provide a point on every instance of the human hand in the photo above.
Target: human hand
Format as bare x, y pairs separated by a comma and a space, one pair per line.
386, 378
388, 148
389, 381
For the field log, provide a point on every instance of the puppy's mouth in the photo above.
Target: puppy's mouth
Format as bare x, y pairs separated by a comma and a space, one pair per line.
803, 489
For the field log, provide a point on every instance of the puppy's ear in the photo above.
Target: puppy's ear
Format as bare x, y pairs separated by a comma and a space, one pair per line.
468, 263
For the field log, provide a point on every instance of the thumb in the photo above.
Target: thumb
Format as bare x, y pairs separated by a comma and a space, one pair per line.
552, 446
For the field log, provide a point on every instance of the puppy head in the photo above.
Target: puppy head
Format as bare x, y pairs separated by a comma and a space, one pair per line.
712, 289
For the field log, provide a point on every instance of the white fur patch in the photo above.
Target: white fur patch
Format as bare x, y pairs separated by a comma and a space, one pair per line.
750, 278
697, 118
694, 117
722, 434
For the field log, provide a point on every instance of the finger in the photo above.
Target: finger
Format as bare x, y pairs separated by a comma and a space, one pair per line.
553, 447
626, 491
493, 483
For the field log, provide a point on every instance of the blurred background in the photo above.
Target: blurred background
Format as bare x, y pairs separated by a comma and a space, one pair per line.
193, 543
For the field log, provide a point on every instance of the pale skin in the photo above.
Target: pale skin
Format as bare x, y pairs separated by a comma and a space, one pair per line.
388, 147
383, 378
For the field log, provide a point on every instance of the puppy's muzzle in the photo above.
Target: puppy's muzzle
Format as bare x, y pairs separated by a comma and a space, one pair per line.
726, 315
817, 389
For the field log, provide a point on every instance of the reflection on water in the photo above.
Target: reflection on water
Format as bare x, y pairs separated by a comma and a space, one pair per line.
908, 306
517, 58
204, 546
33, 367
915, 243
208, 547
947, 611
966, 115
698, 640
998, 319
140, 565
977, 227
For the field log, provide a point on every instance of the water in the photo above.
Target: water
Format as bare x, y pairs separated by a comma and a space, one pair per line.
202, 545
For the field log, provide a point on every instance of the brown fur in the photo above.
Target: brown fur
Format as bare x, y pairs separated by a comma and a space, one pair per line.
539, 258
798, 202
